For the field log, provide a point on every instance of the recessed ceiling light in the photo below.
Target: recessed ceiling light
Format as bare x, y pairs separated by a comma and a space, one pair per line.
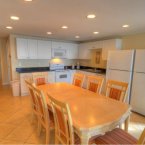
91, 16
28, 0
125, 26
64, 27
14, 18
9, 27
96, 32
49, 33
77, 37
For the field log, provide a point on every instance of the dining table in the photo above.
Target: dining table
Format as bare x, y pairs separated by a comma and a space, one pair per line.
92, 113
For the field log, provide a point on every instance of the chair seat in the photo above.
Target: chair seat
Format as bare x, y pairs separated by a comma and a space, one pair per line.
117, 136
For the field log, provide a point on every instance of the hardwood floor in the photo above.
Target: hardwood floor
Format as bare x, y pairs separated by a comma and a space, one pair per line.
17, 127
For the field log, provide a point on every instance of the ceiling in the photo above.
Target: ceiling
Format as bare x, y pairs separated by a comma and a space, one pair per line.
40, 16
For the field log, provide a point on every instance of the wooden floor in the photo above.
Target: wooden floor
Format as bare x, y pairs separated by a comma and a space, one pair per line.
16, 126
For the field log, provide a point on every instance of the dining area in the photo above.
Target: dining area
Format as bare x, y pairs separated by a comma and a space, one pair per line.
81, 116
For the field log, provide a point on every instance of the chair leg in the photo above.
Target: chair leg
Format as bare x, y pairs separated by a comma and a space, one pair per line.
47, 135
39, 128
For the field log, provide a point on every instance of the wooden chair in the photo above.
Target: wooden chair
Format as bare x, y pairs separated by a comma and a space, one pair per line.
116, 90
95, 83
64, 132
78, 79
44, 116
40, 78
30, 86
119, 136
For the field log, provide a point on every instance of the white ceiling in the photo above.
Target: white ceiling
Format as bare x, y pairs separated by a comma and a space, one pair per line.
39, 16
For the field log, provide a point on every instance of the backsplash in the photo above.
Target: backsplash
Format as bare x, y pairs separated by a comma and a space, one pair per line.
43, 63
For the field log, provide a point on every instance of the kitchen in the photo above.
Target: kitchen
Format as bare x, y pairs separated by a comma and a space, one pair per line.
23, 53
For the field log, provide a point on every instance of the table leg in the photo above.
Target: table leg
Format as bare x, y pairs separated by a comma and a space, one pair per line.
126, 123
84, 139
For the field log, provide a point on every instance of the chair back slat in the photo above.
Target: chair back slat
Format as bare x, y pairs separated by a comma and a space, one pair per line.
78, 79
116, 90
95, 83
63, 121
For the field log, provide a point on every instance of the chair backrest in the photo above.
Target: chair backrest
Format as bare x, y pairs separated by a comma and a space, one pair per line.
42, 107
142, 138
94, 83
78, 79
116, 90
40, 78
63, 121
30, 86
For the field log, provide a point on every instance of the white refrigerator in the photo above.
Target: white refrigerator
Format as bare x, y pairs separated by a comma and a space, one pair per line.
138, 83
120, 67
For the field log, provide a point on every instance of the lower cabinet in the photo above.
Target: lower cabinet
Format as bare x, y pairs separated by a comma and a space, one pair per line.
23, 86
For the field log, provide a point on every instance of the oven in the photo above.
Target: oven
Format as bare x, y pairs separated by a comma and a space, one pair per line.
62, 76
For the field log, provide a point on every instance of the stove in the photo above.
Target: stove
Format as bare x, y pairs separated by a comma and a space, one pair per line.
61, 75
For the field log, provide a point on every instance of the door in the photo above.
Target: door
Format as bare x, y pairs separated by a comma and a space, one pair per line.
138, 93
123, 76
121, 60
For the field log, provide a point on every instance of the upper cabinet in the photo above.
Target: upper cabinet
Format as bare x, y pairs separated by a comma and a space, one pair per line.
33, 49
44, 49
84, 51
95, 45
73, 51
22, 48
109, 45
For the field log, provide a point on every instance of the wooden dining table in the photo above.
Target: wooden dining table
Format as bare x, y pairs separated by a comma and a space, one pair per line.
92, 114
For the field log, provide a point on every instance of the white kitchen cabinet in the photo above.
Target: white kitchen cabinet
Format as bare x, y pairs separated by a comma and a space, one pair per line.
84, 51
24, 89
22, 48
51, 77
44, 49
26, 48
109, 45
72, 51
32, 49
95, 45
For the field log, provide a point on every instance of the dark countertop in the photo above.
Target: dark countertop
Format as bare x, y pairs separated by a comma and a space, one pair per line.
44, 69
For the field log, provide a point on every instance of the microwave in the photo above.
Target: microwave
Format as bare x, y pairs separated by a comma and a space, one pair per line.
59, 53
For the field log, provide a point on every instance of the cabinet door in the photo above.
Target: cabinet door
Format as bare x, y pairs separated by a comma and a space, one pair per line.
84, 51
32, 49
51, 77
24, 88
56, 45
44, 49
73, 51
109, 45
22, 48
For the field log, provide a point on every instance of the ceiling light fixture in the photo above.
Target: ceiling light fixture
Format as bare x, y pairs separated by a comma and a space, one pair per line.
49, 33
9, 27
27, 0
125, 26
14, 18
64, 27
77, 37
91, 16
96, 32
